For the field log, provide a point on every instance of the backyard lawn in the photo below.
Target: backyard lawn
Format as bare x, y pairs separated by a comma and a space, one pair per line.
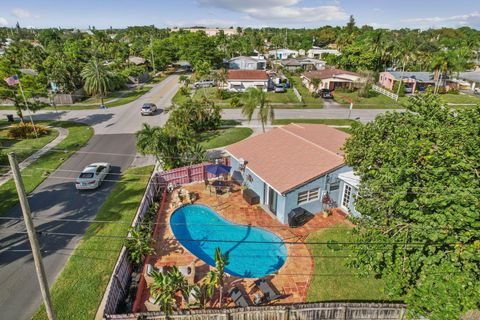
78, 136
223, 137
333, 280
79, 289
22, 147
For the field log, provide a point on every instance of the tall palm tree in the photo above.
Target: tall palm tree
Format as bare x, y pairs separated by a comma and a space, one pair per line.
147, 140
256, 98
97, 79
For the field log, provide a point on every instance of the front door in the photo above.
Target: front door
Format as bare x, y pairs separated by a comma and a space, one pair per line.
272, 200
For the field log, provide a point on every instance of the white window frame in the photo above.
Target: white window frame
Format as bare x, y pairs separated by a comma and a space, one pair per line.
309, 195
344, 193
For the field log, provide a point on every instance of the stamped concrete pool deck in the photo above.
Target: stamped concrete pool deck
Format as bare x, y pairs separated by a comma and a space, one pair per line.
291, 280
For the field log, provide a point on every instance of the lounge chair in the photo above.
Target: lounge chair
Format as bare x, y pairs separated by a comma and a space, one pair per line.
270, 293
188, 272
239, 298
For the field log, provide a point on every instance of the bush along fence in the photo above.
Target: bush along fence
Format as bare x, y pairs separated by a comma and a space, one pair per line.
305, 311
127, 282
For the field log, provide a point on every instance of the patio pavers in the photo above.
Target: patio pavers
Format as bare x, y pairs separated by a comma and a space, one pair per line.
292, 279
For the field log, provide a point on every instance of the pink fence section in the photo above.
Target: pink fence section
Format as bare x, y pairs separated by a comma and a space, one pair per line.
185, 175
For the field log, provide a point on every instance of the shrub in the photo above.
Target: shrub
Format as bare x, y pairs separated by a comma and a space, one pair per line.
26, 131
235, 102
453, 91
184, 91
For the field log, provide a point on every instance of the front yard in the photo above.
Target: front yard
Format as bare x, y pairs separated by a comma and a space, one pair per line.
78, 290
332, 280
377, 102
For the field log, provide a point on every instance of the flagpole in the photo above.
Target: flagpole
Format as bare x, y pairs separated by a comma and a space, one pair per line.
28, 109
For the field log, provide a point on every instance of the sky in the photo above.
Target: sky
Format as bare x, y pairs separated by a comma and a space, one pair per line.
253, 13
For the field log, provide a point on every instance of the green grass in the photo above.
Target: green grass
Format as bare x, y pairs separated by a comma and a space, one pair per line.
23, 148
284, 97
223, 137
179, 98
337, 281
78, 136
332, 122
377, 102
79, 289
460, 98
229, 122
307, 96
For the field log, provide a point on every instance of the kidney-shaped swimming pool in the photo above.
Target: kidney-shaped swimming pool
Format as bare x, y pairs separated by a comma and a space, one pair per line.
253, 252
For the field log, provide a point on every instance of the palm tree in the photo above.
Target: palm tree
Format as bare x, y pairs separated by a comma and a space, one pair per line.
97, 79
165, 286
147, 140
216, 278
256, 98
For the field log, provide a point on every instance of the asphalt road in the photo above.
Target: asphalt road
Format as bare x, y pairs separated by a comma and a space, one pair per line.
57, 198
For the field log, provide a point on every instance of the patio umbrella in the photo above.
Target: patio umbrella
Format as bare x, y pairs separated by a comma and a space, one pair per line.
218, 169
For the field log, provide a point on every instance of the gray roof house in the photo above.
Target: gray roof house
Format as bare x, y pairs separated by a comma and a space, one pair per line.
247, 63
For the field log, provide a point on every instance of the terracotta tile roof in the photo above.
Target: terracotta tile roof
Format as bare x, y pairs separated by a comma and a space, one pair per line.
292, 155
327, 73
247, 75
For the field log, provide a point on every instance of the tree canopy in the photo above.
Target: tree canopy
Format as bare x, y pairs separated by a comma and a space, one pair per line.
420, 202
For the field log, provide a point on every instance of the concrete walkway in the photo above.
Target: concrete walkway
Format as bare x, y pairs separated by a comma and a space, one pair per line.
62, 134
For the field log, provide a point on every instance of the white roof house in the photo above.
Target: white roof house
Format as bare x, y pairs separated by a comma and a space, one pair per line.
282, 54
317, 52
247, 63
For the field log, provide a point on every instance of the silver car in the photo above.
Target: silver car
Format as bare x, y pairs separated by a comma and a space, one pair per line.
148, 109
204, 84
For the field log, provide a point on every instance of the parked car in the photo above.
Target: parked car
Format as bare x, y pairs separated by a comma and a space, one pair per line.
148, 109
204, 84
476, 91
326, 94
279, 88
92, 176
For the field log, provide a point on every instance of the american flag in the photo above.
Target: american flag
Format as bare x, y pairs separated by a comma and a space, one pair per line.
13, 80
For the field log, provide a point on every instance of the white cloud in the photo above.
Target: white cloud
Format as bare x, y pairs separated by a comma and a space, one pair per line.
472, 19
376, 9
212, 23
287, 11
22, 13
3, 21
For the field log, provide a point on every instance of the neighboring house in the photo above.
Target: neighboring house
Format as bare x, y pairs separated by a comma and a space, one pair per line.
282, 54
317, 53
413, 80
291, 167
330, 79
138, 61
247, 63
208, 31
241, 80
302, 63
472, 77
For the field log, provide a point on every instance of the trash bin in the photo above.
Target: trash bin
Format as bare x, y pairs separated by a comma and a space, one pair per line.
10, 118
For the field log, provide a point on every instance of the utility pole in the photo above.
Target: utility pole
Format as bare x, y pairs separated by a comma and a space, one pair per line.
153, 59
32, 236
28, 109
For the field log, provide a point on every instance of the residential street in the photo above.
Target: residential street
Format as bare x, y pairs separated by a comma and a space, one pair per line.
57, 197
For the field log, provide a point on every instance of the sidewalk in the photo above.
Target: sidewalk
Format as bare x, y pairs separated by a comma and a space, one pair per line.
62, 134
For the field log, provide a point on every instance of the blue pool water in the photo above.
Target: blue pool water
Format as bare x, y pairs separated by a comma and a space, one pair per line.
253, 252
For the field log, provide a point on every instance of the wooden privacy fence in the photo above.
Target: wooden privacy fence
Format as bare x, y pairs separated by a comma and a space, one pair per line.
305, 311
118, 285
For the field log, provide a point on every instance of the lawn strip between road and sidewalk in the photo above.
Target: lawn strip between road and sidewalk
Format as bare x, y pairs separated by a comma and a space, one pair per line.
223, 137
79, 289
78, 135
333, 280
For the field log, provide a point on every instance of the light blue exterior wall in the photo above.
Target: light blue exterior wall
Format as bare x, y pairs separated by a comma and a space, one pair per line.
289, 201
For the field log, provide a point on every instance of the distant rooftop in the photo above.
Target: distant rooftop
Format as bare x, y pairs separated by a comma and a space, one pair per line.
470, 76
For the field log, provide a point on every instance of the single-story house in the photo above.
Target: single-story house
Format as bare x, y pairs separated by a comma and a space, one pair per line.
294, 166
247, 63
317, 53
208, 31
302, 63
472, 77
329, 79
282, 54
412, 80
241, 80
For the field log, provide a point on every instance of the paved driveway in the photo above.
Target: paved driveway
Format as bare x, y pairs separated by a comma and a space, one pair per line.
56, 197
